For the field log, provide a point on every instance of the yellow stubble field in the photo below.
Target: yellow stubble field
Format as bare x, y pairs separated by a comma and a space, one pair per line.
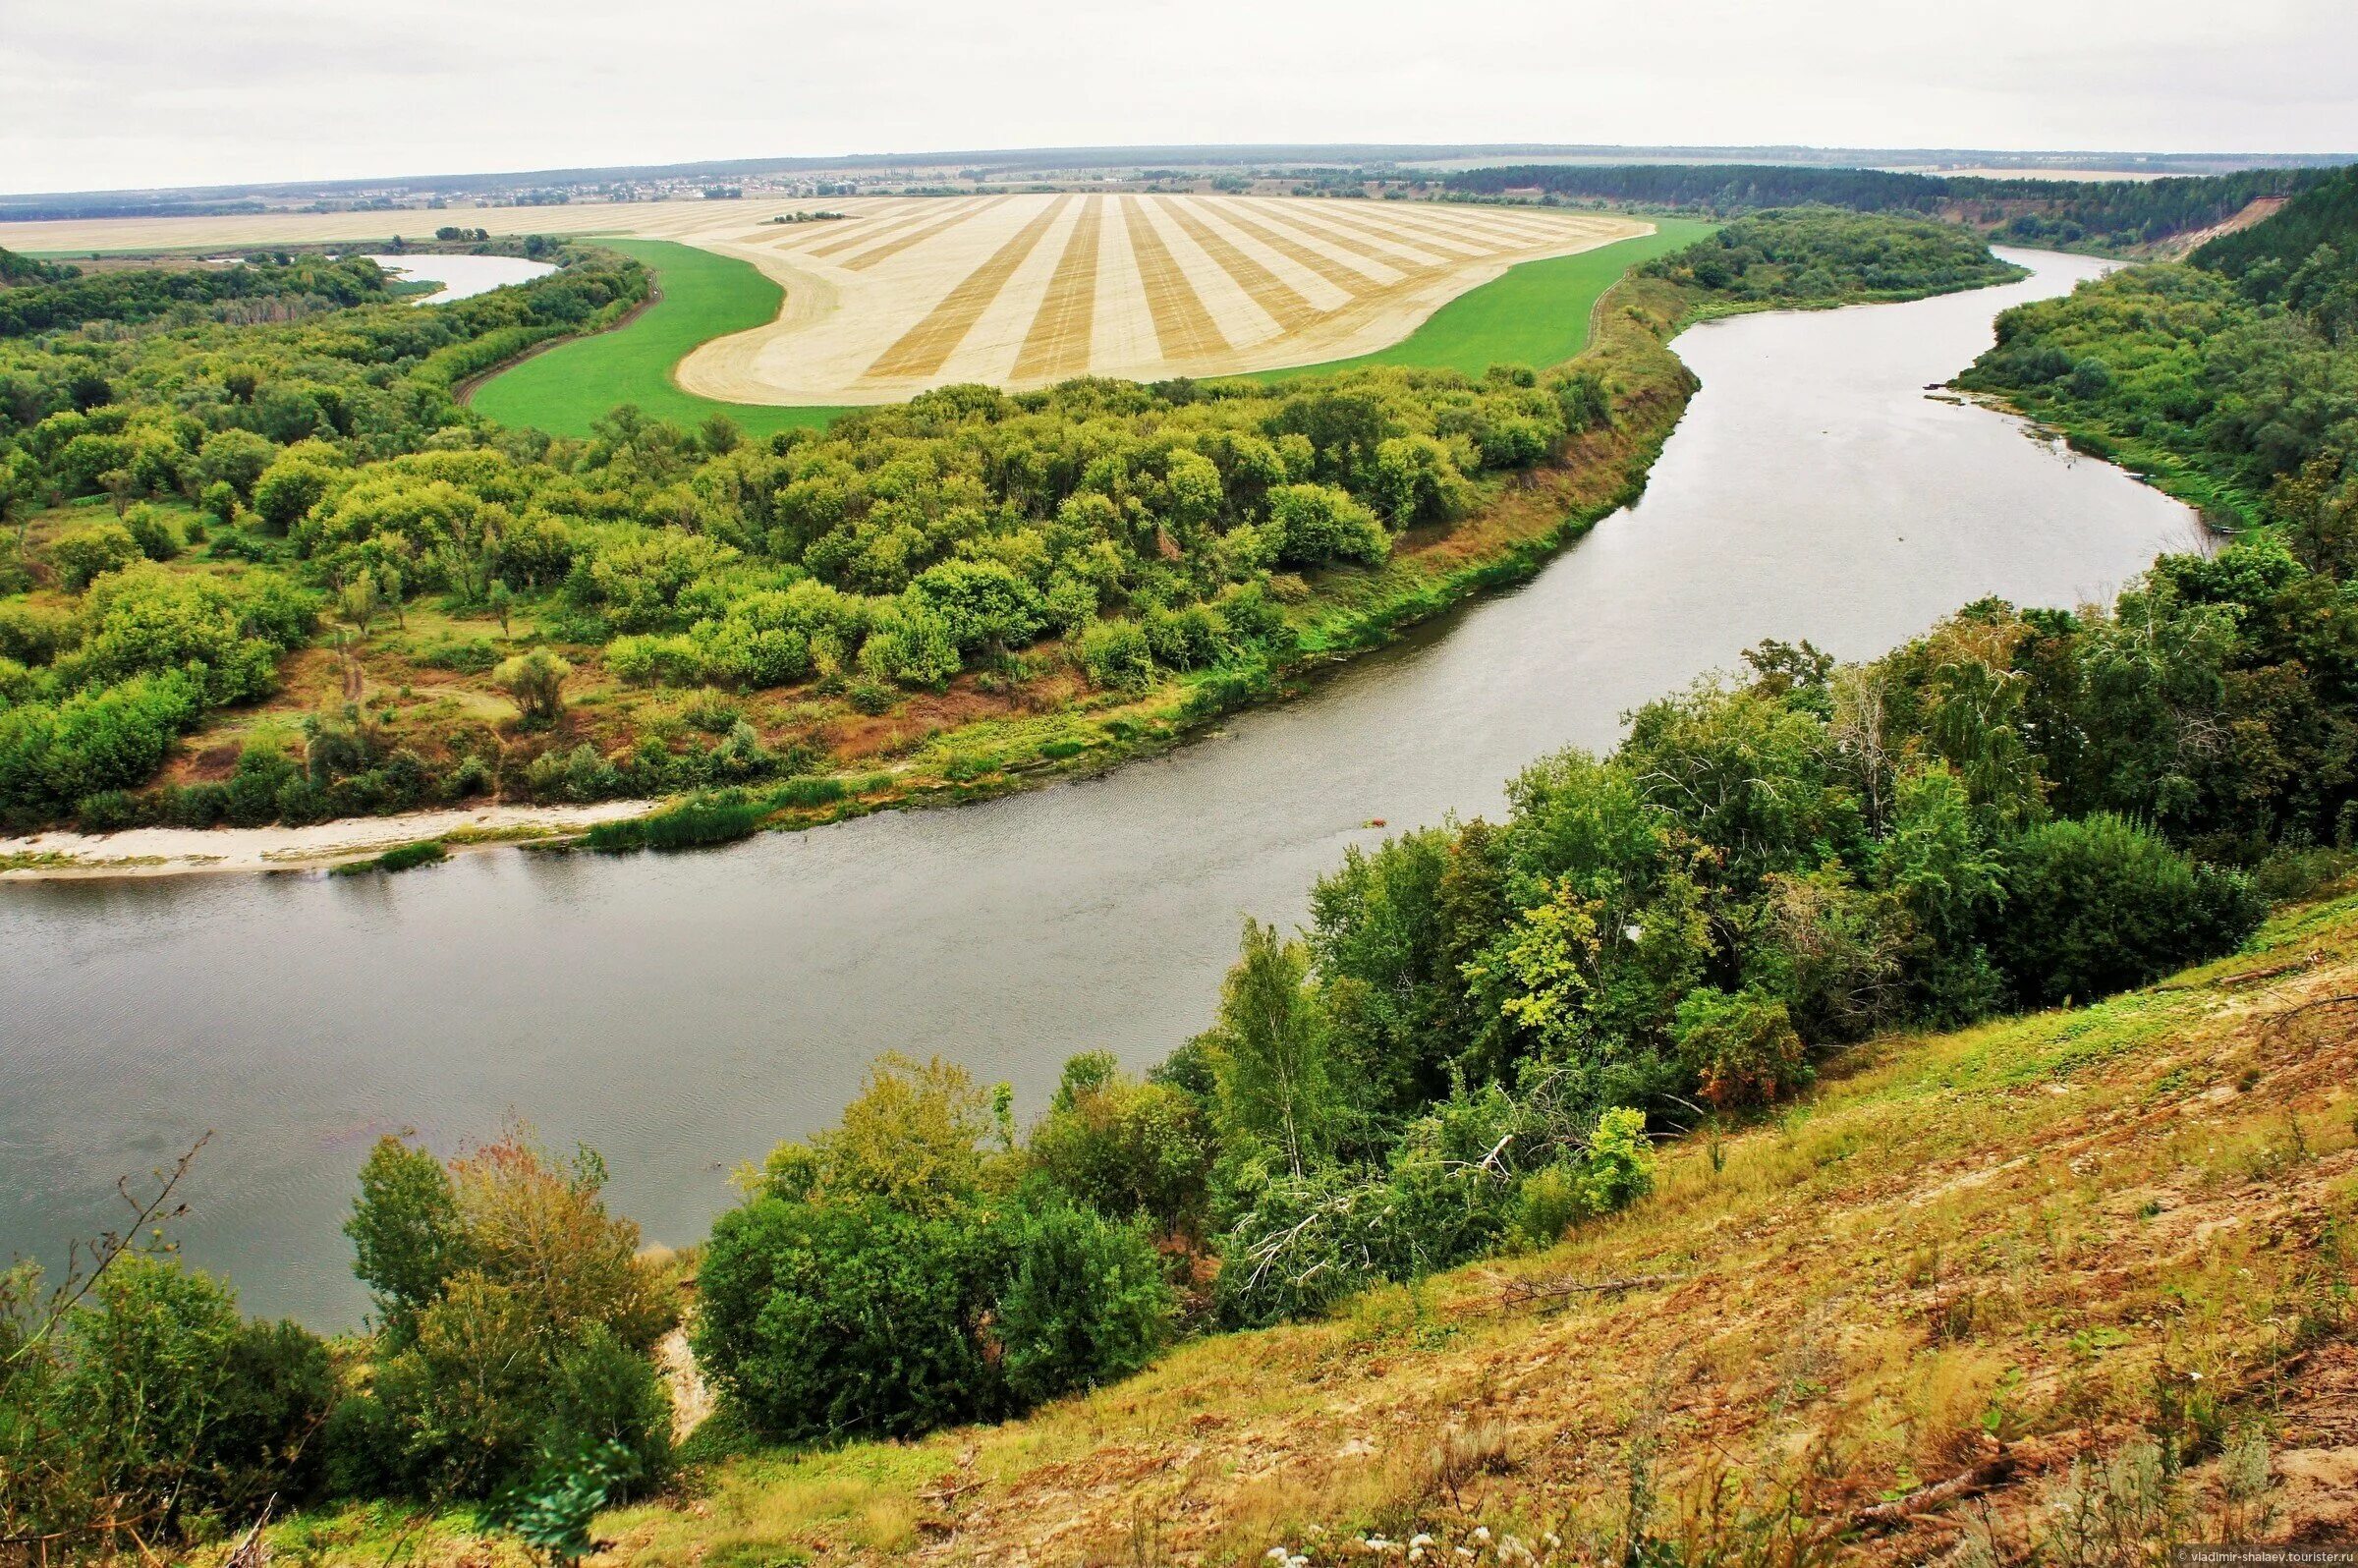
1016, 290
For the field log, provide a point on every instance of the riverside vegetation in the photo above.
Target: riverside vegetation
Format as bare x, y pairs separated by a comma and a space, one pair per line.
1472, 1051
291, 541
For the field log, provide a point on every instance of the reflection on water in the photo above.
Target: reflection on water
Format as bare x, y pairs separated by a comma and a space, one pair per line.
683, 1013
461, 276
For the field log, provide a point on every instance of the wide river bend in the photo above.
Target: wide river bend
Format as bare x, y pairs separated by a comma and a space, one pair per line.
683, 1013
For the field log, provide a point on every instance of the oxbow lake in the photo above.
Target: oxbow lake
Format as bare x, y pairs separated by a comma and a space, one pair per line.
461, 276
683, 1013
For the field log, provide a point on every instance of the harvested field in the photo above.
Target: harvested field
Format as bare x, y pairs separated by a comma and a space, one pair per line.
1013, 290
655, 220
1025, 290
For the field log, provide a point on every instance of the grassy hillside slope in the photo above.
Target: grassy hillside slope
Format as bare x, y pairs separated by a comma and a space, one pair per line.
2056, 1288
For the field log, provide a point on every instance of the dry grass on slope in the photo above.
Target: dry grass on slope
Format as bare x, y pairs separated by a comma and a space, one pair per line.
1970, 1303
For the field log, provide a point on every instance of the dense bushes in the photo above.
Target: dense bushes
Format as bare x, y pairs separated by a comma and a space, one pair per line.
144, 1402
2097, 906
516, 1318
829, 1318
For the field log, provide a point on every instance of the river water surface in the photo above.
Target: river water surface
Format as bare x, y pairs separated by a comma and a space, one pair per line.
683, 1013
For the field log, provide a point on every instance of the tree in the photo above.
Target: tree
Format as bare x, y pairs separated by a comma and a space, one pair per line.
119, 487
406, 1235
536, 681
1271, 1040
913, 1138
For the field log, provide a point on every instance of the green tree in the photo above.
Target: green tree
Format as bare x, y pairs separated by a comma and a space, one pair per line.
406, 1234
536, 681
1275, 1089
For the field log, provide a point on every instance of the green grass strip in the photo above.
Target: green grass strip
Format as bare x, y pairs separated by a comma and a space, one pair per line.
1537, 313
704, 296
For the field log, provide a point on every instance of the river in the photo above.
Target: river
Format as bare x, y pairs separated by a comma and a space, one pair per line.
683, 1013
462, 277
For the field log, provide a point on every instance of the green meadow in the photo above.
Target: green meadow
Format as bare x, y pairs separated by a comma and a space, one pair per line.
1537, 313
703, 296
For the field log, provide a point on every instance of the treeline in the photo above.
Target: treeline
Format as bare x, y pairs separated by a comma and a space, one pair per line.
1824, 255
134, 295
2232, 376
1721, 187
2112, 213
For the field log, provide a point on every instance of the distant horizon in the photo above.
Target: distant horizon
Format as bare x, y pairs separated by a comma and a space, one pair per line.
2061, 160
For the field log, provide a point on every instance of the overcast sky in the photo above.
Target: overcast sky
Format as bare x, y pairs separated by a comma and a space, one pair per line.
106, 93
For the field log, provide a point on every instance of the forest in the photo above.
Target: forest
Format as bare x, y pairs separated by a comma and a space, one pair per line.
1825, 255
2096, 214
261, 288
1473, 1048
2229, 376
191, 501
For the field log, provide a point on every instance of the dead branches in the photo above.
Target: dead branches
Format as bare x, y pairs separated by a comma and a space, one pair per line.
1515, 1293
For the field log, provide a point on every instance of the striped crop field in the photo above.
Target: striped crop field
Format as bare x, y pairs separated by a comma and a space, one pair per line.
1026, 290
1016, 290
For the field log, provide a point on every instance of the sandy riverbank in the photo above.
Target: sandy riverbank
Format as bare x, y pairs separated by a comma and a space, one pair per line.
187, 851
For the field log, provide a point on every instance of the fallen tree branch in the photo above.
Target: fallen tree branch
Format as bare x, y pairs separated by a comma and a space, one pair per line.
1524, 1292
1901, 1512
2280, 1015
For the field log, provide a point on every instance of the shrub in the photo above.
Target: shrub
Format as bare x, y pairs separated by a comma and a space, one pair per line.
80, 556
108, 811
600, 1392
1117, 655
1317, 524
824, 1321
154, 531
182, 1408
537, 682
1741, 1050
2098, 905
1125, 1148
1085, 1304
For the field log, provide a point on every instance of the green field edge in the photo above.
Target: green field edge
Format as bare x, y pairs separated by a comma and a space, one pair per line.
698, 295
1538, 313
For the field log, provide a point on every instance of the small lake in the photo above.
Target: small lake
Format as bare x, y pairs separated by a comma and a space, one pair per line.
683, 1013
461, 276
